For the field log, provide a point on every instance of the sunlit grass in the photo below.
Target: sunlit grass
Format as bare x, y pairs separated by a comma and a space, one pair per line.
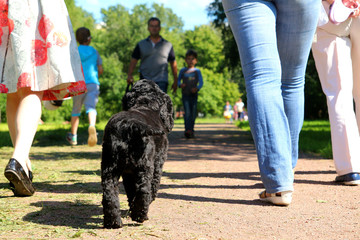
203, 120
314, 137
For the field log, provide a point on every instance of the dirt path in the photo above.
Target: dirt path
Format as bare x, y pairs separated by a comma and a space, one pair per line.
208, 191
210, 185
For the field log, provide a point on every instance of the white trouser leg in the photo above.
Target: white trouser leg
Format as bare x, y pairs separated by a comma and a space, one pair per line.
355, 55
332, 55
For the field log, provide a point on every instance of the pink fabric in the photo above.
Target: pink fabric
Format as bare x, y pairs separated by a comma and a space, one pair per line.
38, 49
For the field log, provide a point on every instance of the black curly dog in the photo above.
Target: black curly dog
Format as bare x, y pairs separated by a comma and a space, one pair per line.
135, 147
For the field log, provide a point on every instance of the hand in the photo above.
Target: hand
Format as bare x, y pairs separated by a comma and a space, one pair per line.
182, 85
174, 87
130, 79
194, 90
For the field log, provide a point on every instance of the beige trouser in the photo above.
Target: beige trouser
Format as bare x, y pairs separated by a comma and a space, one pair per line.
336, 50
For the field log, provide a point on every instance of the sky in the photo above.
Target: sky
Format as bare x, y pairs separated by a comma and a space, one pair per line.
192, 12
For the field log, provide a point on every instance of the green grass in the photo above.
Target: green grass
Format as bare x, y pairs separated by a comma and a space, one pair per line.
203, 120
314, 138
50, 134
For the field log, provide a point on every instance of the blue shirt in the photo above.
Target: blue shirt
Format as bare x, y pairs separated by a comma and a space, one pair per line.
90, 60
191, 79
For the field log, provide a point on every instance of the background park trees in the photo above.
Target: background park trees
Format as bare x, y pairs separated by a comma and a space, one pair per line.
218, 59
115, 40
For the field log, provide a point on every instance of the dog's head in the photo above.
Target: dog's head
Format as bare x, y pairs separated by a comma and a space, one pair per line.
145, 94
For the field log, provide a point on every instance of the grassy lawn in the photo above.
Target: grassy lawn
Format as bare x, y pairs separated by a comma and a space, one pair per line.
315, 137
67, 203
203, 120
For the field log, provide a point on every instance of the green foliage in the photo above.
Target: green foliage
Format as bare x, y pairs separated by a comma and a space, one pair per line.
115, 40
5, 139
315, 137
244, 125
124, 28
215, 92
315, 100
218, 59
58, 115
2, 107
78, 16
207, 41
112, 88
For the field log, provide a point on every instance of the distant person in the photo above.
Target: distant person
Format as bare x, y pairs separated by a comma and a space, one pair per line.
274, 40
155, 53
228, 112
92, 67
336, 50
239, 110
39, 61
190, 81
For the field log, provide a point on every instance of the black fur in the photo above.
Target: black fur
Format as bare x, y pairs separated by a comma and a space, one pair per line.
135, 147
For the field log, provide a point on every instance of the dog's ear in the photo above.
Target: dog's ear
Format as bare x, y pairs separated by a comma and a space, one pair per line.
166, 112
128, 100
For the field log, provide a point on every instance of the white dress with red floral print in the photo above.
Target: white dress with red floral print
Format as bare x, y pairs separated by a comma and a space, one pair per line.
38, 49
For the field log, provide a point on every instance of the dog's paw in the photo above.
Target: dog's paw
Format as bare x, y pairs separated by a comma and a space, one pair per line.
139, 218
113, 225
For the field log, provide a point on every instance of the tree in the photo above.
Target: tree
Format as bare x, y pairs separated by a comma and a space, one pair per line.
124, 29
116, 39
215, 92
230, 50
79, 17
206, 40
315, 100
315, 105
216, 11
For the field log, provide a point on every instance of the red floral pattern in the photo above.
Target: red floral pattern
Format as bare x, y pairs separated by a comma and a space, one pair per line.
3, 88
81, 85
74, 89
4, 20
45, 27
24, 80
39, 52
53, 31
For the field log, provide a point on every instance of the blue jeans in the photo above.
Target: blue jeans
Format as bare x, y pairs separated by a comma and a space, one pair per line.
163, 86
274, 39
190, 108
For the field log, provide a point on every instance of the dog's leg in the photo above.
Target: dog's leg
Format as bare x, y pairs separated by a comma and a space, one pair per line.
129, 185
140, 205
110, 201
160, 158
155, 184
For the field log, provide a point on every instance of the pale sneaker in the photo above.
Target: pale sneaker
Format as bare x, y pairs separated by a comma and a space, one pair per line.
92, 140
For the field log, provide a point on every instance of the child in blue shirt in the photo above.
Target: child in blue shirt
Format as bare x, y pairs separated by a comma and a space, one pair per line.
190, 81
92, 68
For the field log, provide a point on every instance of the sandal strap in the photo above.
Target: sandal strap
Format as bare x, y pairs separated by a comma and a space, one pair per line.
263, 194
